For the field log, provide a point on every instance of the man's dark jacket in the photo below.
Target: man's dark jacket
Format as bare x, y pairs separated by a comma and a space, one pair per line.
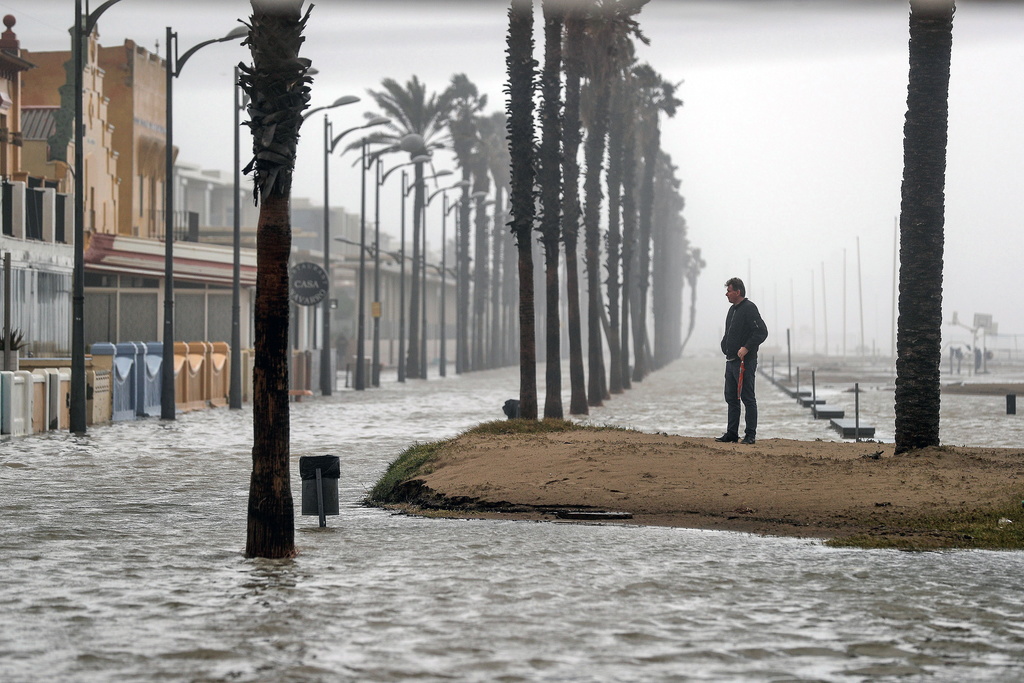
743, 327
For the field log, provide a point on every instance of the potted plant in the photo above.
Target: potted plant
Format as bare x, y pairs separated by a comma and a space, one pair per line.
10, 348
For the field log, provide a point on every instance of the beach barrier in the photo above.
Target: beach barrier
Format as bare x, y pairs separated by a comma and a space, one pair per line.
40, 406
98, 397
16, 402
120, 364
189, 358
149, 379
123, 382
218, 373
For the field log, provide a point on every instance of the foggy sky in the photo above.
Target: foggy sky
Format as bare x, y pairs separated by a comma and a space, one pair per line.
789, 142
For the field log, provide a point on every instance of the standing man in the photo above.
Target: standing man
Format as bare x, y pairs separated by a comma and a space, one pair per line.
744, 332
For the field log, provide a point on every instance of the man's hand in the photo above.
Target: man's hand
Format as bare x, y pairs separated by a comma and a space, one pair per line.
742, 352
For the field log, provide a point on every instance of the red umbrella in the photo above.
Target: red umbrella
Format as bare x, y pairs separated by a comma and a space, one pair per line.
739, 385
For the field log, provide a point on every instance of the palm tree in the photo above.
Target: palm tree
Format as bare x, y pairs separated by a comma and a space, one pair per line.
657, 96
619, 127
467, 103
668, 263
494, 148
481, 243
277, 84
521, 69
549, 179
694, 265
575, 41
418, 123
609, 28
630, 159
922, 215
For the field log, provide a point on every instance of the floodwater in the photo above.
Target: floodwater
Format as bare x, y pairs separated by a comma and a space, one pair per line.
121, 559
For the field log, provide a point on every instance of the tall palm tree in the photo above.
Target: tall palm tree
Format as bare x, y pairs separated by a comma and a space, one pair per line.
481, 244
494, 148
413, 112
521, 70
619, 127
922, 216
668, 263
694, 265
630, 160
575, 43
549, 178
277, 84
467, 103
657, 97
610, 27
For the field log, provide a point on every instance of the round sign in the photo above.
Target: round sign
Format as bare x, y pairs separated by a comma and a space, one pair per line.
308, 283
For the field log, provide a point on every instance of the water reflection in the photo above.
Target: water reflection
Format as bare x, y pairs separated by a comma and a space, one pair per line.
121, 558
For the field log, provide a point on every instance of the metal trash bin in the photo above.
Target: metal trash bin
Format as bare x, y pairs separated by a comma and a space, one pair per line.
320, 474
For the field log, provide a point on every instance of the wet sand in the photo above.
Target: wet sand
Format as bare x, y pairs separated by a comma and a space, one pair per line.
776, 486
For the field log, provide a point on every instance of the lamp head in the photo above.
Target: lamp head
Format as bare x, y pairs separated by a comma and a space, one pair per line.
413, 144
343, 100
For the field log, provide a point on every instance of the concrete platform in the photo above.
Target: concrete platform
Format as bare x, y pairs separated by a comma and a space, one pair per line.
824, 412
847, 429
807, 401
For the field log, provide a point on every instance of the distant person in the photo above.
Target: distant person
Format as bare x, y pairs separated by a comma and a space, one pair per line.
744, 332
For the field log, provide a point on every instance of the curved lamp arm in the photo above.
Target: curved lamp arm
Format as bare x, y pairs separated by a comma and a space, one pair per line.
90, 21
340, 102
237, 32
379, 121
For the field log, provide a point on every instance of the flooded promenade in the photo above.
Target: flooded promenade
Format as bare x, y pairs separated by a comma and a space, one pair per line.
121, 554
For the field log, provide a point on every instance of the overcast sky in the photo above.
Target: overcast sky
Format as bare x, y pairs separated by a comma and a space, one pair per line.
789, 143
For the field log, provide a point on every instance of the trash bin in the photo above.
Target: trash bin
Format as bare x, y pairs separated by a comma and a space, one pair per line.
320, 497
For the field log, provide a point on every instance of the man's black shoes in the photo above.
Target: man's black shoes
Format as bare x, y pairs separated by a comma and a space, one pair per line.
728, 438
747, 440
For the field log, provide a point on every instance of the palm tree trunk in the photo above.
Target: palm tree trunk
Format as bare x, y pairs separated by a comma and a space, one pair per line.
616, 132
551, 195
481, 244
412, 363
594, 153
462, 284
652, 146
498, 243
629, 230
271, 526
922, 215
574, 40
278, 86
521, 66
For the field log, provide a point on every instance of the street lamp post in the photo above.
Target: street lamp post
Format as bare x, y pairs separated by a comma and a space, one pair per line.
401, 278
442, 353
401, 287
326, 375
377, 179
174, 65
423, 270
83, 27
235, 388
329, 146
360, 326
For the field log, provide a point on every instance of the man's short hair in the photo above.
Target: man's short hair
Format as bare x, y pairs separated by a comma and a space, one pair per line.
737, 285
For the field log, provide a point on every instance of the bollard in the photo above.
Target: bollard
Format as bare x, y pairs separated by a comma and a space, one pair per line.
856, 411
1011, 404
814, 397
319, 475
